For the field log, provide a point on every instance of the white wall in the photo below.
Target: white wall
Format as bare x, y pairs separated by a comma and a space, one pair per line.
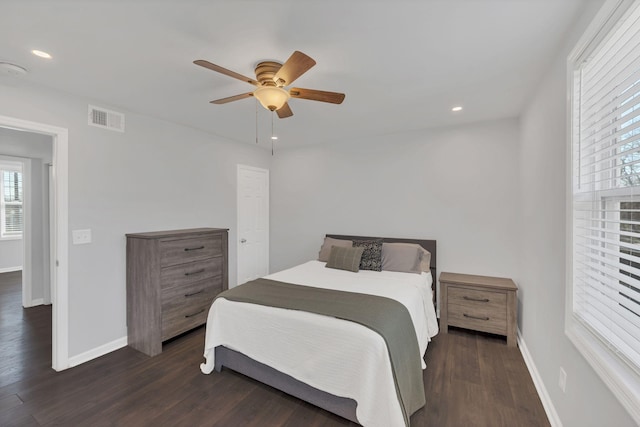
155, 176
10, 255
456, 185
587, 401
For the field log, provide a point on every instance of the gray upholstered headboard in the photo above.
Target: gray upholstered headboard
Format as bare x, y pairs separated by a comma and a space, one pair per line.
429, 245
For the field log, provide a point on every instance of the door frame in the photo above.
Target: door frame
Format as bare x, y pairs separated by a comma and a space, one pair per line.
238, 246
59, 234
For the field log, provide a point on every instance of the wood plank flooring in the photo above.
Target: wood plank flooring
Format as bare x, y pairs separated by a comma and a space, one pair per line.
471, 380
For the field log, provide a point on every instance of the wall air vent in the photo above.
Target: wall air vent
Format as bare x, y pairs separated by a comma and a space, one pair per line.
106, 119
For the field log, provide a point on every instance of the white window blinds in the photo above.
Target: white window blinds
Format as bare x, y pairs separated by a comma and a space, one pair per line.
11, 198
606, 190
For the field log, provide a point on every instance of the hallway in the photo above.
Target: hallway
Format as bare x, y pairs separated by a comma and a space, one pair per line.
25, 334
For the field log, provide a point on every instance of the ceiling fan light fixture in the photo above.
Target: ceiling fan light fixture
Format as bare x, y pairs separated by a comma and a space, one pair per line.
271, 97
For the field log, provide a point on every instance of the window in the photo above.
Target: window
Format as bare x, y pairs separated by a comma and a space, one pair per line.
603, 309
11, 197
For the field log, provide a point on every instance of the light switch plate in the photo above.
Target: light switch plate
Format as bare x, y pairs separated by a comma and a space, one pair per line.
562, 380
81, 237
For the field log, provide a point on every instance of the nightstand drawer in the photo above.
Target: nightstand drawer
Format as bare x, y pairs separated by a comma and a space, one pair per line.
478, 318
477, 299
477, 309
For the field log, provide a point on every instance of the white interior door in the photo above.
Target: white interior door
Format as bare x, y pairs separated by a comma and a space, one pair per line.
253, 223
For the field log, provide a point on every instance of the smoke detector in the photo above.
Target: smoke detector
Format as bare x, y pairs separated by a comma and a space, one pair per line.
9, 69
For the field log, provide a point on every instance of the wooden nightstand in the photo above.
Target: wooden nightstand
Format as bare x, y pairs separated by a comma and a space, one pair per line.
481, 303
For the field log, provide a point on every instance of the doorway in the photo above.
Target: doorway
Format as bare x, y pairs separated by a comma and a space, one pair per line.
25, 159
58, 234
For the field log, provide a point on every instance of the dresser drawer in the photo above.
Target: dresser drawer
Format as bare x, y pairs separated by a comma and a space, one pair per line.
181, 251
183, 318
477, 309
183, 274
186, 307
185, 295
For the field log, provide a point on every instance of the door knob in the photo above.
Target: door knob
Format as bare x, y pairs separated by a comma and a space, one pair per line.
243, 240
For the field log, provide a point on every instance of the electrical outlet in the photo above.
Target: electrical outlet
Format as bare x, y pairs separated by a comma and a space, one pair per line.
81, 237
562, 380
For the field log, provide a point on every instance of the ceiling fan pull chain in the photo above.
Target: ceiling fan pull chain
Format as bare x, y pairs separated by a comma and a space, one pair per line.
256, 121
272, 138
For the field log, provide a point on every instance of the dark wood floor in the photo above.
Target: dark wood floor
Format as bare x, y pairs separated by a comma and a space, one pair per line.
471, 380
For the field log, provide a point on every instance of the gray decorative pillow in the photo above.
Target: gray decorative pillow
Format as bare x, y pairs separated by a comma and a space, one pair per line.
325, 249
372, 255
345, 258
402, 257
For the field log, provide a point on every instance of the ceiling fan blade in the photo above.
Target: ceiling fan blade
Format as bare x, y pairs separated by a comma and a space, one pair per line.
222, 70
297, 64
284, 111
317, 95
232, 98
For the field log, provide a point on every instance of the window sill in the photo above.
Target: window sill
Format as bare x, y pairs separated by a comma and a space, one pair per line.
15, 237
621, 379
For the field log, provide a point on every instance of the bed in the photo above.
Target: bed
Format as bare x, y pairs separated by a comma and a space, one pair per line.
338, 365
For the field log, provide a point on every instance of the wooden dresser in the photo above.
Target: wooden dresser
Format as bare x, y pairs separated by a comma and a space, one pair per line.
172, 277
481, 303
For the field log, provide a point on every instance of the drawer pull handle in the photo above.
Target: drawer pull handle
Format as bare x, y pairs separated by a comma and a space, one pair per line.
193, 249
476, 299
194, 314
191, 273
193, 293
474, 317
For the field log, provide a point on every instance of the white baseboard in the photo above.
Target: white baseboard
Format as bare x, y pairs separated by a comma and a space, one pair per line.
10, 269
552, 414
97, 352
34, 302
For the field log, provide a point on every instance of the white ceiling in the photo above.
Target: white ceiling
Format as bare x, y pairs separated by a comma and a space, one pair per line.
402, 64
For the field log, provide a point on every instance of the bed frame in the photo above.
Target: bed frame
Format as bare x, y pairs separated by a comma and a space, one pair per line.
341, 406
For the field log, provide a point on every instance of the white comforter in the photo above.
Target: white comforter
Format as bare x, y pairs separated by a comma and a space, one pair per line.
340, 357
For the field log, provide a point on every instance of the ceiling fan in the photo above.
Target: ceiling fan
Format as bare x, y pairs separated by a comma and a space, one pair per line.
271, 79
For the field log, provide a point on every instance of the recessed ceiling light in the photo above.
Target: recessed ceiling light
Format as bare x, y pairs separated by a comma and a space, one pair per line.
41, 54
274, 137
456, 109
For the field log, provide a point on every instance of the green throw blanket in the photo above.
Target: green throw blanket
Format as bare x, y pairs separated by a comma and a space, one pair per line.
387, 317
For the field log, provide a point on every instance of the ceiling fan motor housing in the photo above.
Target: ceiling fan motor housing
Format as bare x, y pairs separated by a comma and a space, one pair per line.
266, 71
